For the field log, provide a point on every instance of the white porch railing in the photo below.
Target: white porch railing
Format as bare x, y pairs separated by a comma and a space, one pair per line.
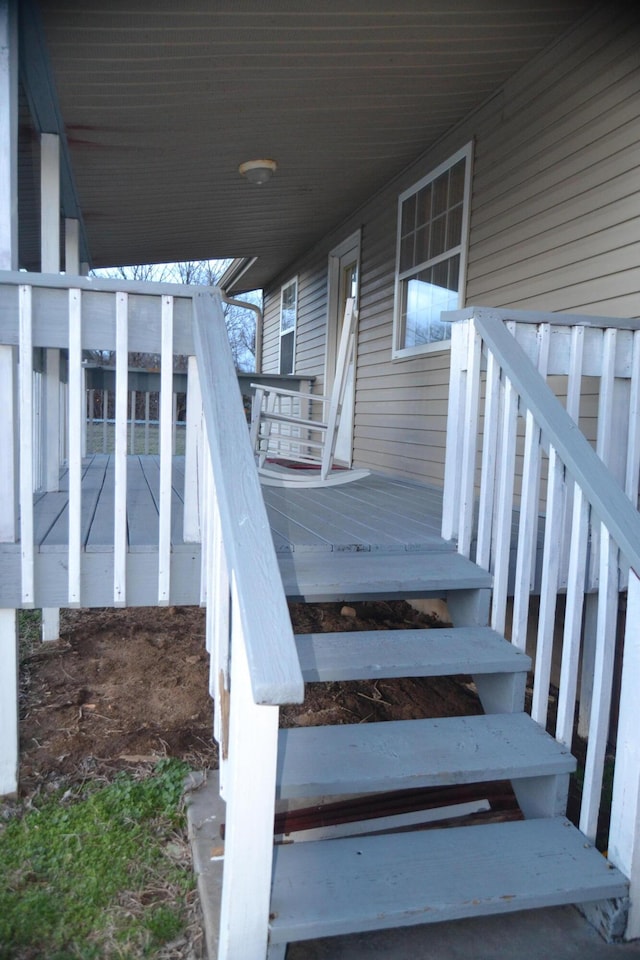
508, 430
254, 661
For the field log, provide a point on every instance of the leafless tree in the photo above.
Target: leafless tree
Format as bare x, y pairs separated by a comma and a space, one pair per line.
241, 323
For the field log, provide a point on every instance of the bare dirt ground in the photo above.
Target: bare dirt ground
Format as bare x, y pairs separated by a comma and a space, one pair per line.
125, 687
122, 688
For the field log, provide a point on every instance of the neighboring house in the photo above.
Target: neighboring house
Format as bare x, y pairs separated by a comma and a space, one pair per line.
426, 157
547, 220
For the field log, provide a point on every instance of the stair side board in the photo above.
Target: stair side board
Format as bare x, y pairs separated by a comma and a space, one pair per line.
334, 576
437, 652
402, 754
334, 887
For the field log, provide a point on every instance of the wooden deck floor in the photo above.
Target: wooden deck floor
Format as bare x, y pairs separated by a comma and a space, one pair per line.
376, 514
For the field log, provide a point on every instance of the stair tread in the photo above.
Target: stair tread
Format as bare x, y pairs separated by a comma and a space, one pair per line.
402, 754
321, 577
333, 887
370, 654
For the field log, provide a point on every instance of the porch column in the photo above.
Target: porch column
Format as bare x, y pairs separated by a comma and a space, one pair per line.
71, 245
50, 263
8, 383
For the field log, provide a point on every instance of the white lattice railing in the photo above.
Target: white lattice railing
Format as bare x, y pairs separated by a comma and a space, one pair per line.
517, 461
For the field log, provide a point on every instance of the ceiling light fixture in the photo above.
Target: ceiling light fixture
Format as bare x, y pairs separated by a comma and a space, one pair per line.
258, 171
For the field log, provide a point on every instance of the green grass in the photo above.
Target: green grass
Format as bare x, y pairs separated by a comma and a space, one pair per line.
100, 440
94, 874
29, 631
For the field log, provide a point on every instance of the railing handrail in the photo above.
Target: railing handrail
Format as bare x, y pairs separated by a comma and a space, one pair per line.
63, 281
609, 501
541, 316
274, 667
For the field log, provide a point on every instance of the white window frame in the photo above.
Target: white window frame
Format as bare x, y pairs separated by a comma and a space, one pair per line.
400, 352
283, 333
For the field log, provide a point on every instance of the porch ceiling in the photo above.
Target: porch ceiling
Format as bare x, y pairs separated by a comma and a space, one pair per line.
161, 101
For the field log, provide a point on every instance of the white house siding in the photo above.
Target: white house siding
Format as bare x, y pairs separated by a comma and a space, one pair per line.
555, 225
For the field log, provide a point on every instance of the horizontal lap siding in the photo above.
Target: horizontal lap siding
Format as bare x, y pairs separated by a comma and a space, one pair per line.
271, 334
556, 206
555, 225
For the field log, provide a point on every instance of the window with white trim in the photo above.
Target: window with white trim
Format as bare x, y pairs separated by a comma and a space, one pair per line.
433, 227
288, 320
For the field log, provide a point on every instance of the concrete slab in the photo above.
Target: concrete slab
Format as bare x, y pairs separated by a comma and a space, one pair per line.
560, 933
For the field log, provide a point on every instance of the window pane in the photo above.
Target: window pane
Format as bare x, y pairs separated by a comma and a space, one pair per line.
440, 190
286, 352
438, 235
407, 258
454, 227
423, 206
454, 275
288, 311
441, 273
422, 246
456, 183
424, 298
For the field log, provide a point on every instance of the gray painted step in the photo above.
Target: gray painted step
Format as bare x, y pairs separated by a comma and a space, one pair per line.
320, 577
371, 654
402, 754
368, 883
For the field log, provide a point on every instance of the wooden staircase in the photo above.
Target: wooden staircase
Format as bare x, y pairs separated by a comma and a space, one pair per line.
337, 886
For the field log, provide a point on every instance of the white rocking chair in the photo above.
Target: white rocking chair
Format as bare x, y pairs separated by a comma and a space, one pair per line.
293, 445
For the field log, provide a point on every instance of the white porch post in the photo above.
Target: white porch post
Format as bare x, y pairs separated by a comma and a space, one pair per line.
71, 245
50, 263
8, 381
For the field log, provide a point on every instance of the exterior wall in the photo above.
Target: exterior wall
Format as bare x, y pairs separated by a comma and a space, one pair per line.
555, 225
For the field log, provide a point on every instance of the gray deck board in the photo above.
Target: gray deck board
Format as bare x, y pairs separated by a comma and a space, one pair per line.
399, 503
294, 534
142, 513
100, 534
367, 515
308, 526
342, 527
366, 522
151, 469
317, 577
375, 513
335, 887
372, 654
92, 482
407, 754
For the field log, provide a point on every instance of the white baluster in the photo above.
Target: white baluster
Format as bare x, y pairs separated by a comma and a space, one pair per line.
166, 393
75, 447
120, 465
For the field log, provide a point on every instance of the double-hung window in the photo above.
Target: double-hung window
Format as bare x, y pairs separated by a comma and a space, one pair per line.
433, 226
288, 319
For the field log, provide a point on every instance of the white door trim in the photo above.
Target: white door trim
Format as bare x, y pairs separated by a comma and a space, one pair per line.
348, 249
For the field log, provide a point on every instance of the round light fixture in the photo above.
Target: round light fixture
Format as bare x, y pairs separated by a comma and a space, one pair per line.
258, 171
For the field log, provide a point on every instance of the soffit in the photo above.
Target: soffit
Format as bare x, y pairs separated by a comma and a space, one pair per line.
161, 102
